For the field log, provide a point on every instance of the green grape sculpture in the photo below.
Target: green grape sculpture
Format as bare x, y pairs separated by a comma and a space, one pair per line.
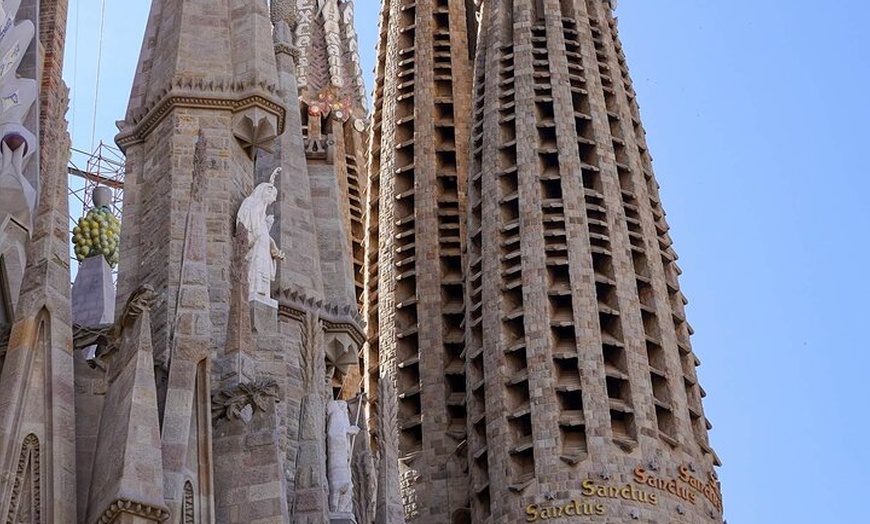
98, 233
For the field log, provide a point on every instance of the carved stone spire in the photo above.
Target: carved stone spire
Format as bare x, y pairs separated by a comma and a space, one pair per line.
190, 61
328, 51
322, 67
37, 408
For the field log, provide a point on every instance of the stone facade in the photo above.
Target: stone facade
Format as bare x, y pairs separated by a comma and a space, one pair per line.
488, 305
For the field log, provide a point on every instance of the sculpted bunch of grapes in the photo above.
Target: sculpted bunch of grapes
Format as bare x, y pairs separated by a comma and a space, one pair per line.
98, 233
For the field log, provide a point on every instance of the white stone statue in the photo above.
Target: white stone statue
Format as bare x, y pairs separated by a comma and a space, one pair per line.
338, 446
263, 253
18, 182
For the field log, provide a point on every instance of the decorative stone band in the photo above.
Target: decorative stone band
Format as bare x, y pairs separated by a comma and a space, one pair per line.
284, 49
137, 509
143, 127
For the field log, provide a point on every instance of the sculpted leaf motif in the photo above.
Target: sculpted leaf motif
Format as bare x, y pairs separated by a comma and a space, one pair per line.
230, 403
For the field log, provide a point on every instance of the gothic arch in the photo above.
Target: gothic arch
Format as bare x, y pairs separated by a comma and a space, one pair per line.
25, 504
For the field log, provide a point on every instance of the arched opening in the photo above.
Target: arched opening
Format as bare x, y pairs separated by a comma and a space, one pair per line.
461, 516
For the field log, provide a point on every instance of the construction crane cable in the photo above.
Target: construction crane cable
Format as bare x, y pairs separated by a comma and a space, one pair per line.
99, 64
75, 64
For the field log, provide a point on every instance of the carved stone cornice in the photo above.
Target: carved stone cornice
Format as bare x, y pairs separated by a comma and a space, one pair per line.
215, 95
336, 318
137, 509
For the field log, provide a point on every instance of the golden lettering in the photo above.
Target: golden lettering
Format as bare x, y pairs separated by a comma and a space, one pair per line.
569, 509
709, 490
588, 488
599, 509
640, 475
684, 474
532, 513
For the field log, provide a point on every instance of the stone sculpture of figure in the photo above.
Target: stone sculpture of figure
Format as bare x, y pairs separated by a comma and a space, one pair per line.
262, 250
338, 433
14, 149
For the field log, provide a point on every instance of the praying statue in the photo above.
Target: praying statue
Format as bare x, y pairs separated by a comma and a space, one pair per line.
338, 446
263, 253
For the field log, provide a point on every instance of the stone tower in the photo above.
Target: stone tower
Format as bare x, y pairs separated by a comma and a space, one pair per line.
526, 355
37, 426
201, 107
583, 397
416, 299
575, 375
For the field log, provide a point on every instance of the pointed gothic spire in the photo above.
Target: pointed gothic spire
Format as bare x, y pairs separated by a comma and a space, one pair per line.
190, 59
128, 472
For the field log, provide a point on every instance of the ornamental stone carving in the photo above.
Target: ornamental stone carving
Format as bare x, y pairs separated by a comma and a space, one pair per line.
242, 401
18, 175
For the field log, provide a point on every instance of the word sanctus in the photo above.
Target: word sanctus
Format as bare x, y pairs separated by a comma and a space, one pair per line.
686, 486
590, 490
710, 489
574, 508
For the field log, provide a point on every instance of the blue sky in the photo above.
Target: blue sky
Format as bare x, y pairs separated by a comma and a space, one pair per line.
757, 116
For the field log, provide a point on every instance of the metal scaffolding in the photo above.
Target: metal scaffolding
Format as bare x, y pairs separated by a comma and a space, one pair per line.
104, 166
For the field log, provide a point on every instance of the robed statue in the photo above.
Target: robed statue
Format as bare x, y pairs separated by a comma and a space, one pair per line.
263, 253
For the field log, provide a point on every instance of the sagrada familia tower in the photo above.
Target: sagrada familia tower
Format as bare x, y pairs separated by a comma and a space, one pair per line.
460, 306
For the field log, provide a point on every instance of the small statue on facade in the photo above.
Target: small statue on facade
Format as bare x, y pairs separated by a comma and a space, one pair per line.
338, 447
263, 253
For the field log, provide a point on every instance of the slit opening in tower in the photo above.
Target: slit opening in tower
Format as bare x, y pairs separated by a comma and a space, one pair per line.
6, 309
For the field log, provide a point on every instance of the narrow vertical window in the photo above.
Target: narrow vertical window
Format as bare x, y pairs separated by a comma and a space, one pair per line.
5, 296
